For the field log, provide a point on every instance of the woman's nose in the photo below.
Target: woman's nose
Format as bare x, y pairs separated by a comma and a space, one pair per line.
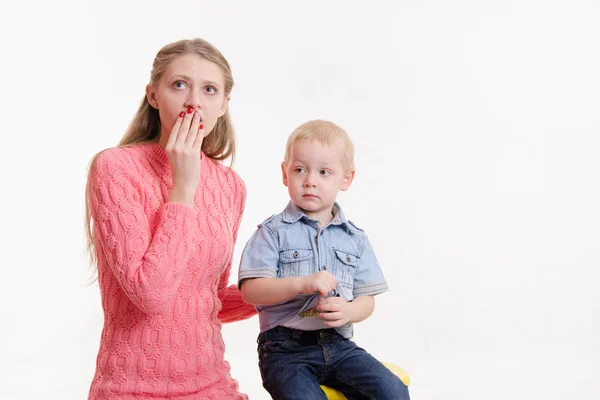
194, 102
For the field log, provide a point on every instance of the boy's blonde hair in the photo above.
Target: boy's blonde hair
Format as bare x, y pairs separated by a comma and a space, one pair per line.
327, 133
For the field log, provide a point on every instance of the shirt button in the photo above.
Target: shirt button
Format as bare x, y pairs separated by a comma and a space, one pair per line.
324, 268
296, 254
347, 258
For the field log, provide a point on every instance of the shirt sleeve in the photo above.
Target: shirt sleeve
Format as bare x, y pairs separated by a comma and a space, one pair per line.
369, 279
260, 258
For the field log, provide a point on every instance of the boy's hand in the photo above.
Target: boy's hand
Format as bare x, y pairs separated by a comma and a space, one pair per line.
322, 282
335, 311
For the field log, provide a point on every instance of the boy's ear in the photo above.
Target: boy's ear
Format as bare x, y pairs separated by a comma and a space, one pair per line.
348, 178
284, 173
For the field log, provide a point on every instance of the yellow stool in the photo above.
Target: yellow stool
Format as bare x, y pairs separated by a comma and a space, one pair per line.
333, 394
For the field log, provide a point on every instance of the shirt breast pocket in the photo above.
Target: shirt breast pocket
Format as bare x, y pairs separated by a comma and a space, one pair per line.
345, 265
295, 262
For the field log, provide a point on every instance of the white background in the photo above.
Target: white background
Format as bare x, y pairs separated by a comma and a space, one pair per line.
477, 129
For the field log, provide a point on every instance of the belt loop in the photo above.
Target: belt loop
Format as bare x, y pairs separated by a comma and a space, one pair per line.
296, 334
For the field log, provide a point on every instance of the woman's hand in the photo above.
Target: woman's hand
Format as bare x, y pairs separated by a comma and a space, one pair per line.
183, 150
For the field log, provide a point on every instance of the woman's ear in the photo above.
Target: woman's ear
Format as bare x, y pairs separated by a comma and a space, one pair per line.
151, 96
224, 106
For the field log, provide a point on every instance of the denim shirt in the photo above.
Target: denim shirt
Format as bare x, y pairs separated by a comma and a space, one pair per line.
291, 244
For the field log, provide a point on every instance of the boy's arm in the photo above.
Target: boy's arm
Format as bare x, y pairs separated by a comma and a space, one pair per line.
361, 308
269, 291
258, 270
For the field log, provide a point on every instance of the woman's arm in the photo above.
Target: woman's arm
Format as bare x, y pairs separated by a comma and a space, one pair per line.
148, 265
233, 308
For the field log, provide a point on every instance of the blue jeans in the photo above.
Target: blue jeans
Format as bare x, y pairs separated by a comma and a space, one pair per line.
293, 364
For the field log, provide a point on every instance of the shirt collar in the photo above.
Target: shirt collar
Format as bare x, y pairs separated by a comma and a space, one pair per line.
293, 213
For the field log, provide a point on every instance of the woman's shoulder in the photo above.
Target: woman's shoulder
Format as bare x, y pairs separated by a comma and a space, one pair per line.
229, 183
228, 174
122, 158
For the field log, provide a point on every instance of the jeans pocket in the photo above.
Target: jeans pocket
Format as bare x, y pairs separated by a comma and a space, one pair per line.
272, 351
276, 346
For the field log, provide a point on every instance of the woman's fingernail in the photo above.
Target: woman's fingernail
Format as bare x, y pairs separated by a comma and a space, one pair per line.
201, 126
190, 110
181, 114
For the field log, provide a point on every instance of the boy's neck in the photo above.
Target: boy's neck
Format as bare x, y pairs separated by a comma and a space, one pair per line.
323, 216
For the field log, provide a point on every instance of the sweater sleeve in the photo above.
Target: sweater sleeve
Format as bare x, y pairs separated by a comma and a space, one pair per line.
233, 307
148, 262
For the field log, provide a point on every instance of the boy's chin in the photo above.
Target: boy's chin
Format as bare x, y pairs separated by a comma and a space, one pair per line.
313, 206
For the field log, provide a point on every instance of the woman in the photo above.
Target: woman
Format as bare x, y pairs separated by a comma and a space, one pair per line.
162, 219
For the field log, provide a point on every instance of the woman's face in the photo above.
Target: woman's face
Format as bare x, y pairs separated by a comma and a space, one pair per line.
189, 82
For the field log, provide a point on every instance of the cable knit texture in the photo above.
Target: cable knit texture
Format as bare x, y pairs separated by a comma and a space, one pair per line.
163, 272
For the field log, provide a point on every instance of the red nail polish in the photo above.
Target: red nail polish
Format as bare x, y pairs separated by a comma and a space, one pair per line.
181, 114
201, 126
190, 110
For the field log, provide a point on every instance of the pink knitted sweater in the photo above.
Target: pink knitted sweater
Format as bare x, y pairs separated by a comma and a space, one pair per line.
163, 271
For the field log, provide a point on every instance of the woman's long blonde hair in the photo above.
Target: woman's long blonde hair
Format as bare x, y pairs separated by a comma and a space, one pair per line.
145, 125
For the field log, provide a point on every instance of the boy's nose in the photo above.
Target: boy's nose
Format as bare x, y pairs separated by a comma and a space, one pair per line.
309, 181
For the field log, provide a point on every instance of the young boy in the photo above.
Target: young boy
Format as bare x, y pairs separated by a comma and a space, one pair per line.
311, 274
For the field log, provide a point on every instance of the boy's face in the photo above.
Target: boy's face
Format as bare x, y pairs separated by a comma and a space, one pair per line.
314, 173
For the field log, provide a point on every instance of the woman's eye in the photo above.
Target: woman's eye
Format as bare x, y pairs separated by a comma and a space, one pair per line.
210, 90
179, 85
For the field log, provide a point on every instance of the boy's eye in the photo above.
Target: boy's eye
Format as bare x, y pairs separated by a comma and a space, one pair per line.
299, 170
325, 172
